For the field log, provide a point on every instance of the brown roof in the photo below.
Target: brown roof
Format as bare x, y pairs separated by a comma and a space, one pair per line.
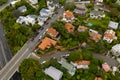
69, 27
68, 14
47, 43
52, 32
110, 34
82, 29
82, 62
94, 35
98, 78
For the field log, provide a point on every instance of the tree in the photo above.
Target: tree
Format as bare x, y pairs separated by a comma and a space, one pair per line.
29, 68
62, 2
75, 55
69, 6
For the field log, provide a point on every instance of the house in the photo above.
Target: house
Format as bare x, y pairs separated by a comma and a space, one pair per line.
33, 1
45, 12
52, 4
82, 1
98, 78
82, 29
52, 32
41, 20
79, 12
94, 35
80, 6
82, 64
97, 14
54, 73
98, 0
68, 16
22, 9
114, 69
71, 69
31, 19
116, 50
69, 27
109, 36
113, 25
47, 43
14, 2
21, 20
106, 67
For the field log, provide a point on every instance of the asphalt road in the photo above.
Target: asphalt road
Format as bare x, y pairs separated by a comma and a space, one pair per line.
25, 52
5, 53
5, 5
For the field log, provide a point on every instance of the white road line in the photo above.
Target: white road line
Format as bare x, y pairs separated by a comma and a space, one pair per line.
14, 64
3, 52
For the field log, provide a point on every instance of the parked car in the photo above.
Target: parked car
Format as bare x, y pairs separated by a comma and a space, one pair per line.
40, 37
46, 23
41, 28
32, 39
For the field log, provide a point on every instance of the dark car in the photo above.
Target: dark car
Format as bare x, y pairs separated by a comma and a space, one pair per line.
41, 28
32, 39
46, 23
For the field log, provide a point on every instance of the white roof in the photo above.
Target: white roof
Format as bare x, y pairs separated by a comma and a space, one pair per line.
113, 24
54, 73
117, 47
41, 23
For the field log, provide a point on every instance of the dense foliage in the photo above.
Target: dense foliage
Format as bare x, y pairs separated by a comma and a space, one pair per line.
3, 2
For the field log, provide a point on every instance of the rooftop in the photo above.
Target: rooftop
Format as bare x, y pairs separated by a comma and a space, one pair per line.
109, 34
54, 73
52, 32
82, 29
94, 35
69, 27
82, 62
113, 24
106, 67
47, 43
68, 14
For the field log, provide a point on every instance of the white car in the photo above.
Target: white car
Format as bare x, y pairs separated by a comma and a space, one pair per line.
44, 33
40, 37
43, 62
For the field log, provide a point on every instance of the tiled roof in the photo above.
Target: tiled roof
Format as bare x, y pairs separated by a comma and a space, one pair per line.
69, 27
98, 78
94, 35
109, 34
47, 43
68, 14
82, 62
82, 29
52, 32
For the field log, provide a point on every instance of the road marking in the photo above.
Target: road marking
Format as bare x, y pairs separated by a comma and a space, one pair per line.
14, 65
3, 52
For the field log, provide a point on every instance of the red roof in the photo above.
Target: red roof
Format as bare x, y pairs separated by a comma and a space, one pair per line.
82, 62
69, 27
98, 78
68, 14
52, 32
47, 43
106, 67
